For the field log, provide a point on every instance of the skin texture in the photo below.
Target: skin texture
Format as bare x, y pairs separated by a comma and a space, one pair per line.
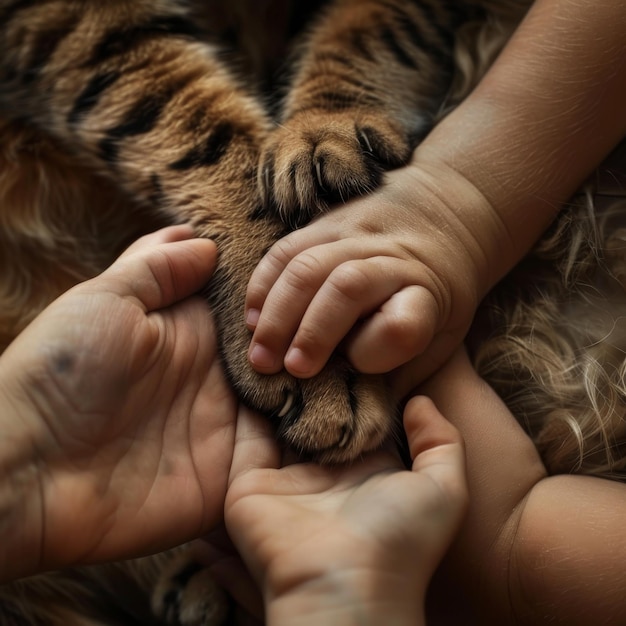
349, 535
488, 179
97, 425
533, 549
517, 515
119, 425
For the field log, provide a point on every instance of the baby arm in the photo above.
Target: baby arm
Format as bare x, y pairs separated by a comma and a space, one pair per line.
534, 549
479, 191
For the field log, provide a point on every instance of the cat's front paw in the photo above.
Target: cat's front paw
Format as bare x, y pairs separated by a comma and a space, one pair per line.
317, 159
187, 595
334, 417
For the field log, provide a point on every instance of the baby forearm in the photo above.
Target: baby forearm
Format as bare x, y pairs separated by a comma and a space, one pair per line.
335, 602
544, 116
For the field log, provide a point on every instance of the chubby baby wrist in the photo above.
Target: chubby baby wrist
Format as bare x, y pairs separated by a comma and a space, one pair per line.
470, 214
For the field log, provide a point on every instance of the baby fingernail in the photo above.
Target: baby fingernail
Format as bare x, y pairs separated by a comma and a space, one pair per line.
252, 318
261, 357
297, 362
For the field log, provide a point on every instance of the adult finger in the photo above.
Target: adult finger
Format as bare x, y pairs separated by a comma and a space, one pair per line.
169, 234
255, 445
160, 275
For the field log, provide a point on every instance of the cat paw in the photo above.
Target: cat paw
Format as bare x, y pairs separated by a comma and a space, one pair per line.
317, 159
334, 417
187, 595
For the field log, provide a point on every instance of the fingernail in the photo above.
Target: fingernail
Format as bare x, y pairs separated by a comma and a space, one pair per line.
252, 318
297, 362
261, 357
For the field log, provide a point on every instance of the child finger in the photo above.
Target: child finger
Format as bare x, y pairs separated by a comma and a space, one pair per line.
401, 329
437, 448
255, 445
290, 297
353, 290
274, 263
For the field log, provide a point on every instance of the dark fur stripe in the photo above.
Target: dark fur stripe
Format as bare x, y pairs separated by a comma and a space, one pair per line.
45, 44
124, 40
352, 81
139, 120
90, 95
445, 31
439, 50
13, 8
157, 195
388, 37
333, 57
358, 44
143, 115
340, 100
211, 152
108, 150
348, 77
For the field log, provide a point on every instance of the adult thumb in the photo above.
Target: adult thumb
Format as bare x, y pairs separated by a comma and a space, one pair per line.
158, 271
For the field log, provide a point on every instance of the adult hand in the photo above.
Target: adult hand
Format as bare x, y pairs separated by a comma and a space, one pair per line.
118, 425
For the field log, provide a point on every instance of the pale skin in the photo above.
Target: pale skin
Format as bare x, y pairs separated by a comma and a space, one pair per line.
121, 438
320, 542
355, 545
532, 549
564, 534
440, 232
117, 423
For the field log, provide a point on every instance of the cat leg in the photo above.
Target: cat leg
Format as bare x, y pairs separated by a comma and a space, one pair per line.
137, 95
369, 79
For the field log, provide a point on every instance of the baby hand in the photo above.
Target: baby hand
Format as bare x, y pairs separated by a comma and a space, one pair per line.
363, 538
398, 273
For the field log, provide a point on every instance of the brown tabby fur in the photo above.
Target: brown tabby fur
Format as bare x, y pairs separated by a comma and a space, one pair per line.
118, 117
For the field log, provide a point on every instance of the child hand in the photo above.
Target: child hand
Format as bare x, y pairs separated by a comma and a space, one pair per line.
399, 273
368, 535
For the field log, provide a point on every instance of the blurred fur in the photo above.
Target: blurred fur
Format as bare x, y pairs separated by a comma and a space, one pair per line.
555, 340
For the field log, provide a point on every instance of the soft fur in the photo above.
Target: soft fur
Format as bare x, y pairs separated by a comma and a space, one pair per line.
66, 212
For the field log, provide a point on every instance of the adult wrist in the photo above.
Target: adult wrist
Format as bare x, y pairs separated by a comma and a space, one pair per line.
21, 493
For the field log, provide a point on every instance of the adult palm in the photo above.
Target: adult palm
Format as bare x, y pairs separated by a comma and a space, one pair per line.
121, 425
